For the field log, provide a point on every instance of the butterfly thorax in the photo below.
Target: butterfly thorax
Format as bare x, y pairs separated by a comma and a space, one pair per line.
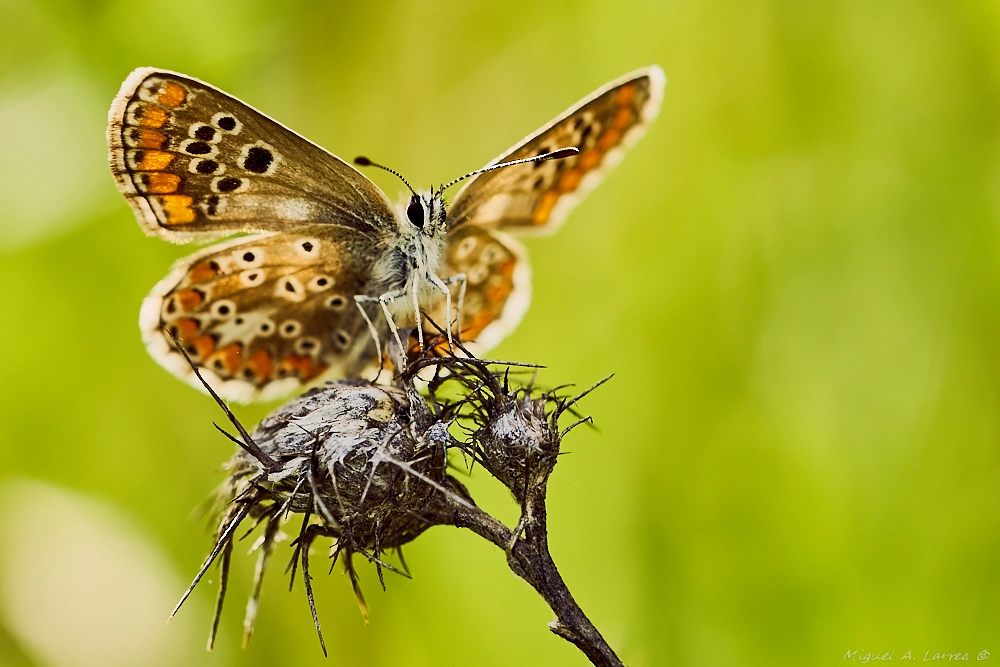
411, 255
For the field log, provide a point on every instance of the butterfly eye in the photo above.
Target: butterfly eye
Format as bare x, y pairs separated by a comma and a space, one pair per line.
415, 212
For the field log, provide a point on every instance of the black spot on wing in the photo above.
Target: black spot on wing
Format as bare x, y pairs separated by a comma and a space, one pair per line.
207, 166
205, 133
258, 160
228, 185
198, 148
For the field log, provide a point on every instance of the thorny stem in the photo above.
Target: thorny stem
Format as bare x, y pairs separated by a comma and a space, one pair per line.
530, 559
528, 549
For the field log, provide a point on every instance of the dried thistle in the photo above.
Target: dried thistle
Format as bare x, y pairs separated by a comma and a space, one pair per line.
367, 466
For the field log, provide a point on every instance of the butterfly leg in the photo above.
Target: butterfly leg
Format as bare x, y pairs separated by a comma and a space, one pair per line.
383, 301
362, 299
416, 314
445, 287
461, 279
437, 282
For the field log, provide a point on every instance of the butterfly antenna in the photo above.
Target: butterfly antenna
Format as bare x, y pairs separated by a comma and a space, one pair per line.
558, 154
362, 161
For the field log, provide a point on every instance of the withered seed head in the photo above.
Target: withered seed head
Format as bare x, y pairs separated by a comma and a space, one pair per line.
367, 461
515, 435
363, 464
517, 442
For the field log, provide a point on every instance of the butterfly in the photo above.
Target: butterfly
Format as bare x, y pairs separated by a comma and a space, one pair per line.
328, 266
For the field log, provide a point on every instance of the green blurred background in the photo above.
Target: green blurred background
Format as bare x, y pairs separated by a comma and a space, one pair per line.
795, 277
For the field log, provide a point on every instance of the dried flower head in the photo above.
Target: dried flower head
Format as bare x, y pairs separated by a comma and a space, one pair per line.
363, 464
513, 429
367, 466
368, 460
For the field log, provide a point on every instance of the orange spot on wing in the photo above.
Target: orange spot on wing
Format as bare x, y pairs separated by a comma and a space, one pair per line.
153, 160
301, 366
570, 180
204, 345
178, 209
544, 208
478, 323
498, 295
438, 349
260, 363
387, 364
185, 328
188, 299
161, 182
609, 139
624, 118
153, 117
229, 356
507, 268
172, 94
590, 159
412, 346
151, 139
203, 271
625, 94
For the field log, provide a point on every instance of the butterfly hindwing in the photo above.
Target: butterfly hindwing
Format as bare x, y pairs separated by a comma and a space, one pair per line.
195, 163
538, 196
497, 283
264, 314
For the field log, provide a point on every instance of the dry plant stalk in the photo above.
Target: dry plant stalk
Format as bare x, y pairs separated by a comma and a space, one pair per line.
367, 466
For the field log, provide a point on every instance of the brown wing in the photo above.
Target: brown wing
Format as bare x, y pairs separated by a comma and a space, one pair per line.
538, 196
262, 315
195, 162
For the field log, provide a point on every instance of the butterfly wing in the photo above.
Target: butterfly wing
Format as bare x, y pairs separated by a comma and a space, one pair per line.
497, 284
196, 163
263, 315
538, 196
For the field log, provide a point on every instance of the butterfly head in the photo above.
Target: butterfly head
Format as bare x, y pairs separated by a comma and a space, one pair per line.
426, 212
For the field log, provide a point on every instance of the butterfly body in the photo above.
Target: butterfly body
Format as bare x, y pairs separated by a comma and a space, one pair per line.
331, 266
410, 259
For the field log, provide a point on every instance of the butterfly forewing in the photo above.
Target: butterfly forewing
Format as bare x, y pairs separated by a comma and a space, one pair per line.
538, 196
196, 163
263, 315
